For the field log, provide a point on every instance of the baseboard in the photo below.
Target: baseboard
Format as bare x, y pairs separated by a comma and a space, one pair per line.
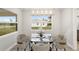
70, 46
75, 49
11, 47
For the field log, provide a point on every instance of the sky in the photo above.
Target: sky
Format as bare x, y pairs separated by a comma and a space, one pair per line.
7, 18
39, 17
13, 18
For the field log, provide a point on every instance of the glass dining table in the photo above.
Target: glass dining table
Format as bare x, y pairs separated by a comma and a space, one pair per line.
46, 39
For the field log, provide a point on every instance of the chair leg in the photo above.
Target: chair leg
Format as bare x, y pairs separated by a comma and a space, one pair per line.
50, 49
64, 49
25, 49
31, 49
17, 49
56, 49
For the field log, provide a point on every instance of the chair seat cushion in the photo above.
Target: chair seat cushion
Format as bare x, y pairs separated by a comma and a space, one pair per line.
63, 43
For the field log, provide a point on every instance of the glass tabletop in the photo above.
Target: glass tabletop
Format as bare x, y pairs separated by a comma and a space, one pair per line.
39, 40
36, 38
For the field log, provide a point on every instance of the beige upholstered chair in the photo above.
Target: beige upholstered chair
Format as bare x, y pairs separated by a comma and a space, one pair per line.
60, 43
22, 42
41, 47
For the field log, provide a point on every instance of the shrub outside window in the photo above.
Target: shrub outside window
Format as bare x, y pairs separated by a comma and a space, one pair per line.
8, 24
41, 23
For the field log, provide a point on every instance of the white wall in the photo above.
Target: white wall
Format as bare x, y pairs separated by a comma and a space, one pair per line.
56, 28
77, 15
75, 28
6, 41
27, 21
68, 27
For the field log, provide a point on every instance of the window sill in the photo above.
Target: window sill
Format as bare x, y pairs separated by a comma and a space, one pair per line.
8, 34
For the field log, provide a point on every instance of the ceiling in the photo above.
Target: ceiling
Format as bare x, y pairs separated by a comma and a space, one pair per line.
4, 12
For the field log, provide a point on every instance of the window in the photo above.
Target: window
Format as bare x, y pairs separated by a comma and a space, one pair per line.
41, 23
8, 24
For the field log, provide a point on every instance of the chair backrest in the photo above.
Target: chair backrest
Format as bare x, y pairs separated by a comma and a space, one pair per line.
60, 42
41, 47
21, 38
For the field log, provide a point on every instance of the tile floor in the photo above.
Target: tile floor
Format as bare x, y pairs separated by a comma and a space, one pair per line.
67, 49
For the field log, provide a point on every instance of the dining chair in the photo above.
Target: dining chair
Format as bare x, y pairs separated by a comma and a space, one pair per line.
22, 42
60, 43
